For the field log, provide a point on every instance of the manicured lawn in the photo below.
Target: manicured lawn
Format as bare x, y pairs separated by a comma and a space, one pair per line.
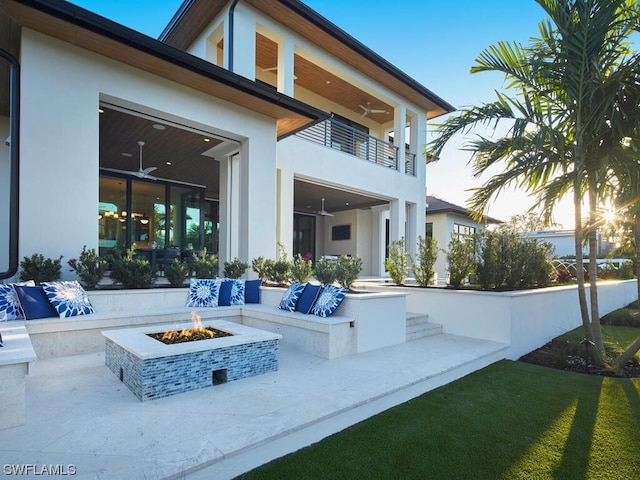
510, 420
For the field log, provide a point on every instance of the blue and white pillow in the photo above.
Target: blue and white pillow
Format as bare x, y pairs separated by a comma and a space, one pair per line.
231, 292
203, 292
291, 297
328, 301
9, 304
308, 298
68, 298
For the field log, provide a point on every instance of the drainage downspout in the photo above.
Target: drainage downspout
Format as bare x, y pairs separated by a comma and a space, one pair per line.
14, 130
232, 10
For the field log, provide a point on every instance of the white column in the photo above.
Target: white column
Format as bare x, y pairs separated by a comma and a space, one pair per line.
397, 219
241, 56
378, 239
399, 136
284, 214
229, 208
257, 198
286, 67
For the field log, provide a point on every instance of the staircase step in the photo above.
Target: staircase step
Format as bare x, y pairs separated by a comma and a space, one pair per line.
418, 326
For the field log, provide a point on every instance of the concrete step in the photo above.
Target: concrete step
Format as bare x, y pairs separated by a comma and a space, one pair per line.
418, 326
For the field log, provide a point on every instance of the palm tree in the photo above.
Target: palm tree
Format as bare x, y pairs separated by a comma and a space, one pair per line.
575, 87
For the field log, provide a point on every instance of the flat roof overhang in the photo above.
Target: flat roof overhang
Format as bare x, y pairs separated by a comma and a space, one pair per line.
80, 27
194, 16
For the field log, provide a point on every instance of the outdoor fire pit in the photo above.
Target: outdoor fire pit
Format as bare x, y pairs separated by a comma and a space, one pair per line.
190, 357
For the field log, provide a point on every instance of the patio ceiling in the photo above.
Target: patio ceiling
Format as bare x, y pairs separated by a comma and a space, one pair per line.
187, 151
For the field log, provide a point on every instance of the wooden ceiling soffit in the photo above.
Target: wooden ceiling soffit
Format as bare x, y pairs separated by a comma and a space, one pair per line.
124, 45
198, 16
285, 15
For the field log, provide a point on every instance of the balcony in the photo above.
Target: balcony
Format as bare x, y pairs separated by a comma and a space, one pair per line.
339, 136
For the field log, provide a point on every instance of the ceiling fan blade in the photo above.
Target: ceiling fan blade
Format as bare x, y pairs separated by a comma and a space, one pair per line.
378, 111
148, 170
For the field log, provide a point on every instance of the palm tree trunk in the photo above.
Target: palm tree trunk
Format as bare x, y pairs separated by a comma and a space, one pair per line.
593, 268
582, 297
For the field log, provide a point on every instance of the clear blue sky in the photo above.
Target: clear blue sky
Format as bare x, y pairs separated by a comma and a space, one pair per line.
434, 41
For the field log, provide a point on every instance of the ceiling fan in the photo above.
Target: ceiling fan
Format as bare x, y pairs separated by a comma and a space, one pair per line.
367, 110
141, 172
323, 212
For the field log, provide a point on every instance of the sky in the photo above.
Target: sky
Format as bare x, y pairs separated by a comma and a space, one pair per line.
434, 41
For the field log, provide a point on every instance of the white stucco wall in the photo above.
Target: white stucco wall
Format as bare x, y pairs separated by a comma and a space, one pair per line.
61, 89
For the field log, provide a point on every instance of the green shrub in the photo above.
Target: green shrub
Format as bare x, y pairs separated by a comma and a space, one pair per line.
40, 269
260, 266
176, 272
205, 266
89, 267
396, 265
325, 271
130, 271
301, 269
278, 271
460, 258
347, 270
234, 268
426, 258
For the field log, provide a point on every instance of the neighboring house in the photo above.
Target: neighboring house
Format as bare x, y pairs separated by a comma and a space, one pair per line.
563, 242
443, 221
248, 124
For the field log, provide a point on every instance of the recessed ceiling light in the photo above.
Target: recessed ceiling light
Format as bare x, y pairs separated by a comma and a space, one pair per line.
328, 82
125, 154
158, 126
168, 163
100, 110
347, 204
207, 139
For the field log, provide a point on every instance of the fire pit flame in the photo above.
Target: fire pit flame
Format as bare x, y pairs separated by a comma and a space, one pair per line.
197, 332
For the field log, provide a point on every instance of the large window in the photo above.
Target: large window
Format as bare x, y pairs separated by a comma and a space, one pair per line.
304, 235
155, 215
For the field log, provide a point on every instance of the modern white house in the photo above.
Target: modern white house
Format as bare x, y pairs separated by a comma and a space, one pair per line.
443, 221
247, 125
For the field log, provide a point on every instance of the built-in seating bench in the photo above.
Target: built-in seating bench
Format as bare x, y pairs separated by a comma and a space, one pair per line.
361, 323
15, 356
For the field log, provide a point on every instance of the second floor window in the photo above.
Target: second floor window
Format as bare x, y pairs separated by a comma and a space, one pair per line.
463, 232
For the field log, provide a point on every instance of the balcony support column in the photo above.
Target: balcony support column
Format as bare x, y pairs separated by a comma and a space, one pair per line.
399, 136
378, 239
284, 216
286, 67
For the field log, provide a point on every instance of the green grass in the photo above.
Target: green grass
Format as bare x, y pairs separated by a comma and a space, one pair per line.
616, 339
510, 420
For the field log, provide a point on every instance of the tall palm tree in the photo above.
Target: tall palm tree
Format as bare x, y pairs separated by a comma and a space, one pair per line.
574, 86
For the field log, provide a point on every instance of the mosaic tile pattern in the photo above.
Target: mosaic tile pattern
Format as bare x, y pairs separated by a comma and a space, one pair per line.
161, 377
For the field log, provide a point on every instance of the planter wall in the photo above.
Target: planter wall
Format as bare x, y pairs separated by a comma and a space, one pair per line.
525, 320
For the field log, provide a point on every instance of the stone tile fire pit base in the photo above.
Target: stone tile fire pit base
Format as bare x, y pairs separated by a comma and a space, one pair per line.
151, 369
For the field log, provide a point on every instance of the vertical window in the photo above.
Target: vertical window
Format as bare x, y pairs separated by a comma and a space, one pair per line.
428, 230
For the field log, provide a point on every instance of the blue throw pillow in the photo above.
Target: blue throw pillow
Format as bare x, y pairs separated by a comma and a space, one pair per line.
9, 303
231, 293
68, 298
34, 302
203, 292
329, 300
291, 296
308, 298
252, 291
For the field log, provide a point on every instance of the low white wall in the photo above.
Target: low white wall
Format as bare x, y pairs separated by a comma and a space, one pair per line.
379, 318
525, 320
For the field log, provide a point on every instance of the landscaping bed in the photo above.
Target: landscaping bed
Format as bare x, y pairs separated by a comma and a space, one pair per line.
568, 352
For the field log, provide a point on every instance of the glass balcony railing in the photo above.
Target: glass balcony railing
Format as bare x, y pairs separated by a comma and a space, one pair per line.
339, 136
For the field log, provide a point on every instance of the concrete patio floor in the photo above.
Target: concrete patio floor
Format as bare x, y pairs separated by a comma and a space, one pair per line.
80, 414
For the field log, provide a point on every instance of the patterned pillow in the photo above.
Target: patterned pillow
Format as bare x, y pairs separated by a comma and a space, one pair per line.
9, 304
68, 298
231, 293
328, 301
308, 298
203, 292
291, 296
